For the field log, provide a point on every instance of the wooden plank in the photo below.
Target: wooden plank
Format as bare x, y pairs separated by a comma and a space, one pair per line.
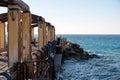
22, 4
26, 24
36, 18
13, 34
26, 55
3, 17
40, 35
32, 34
44, 33
20, 41
2, 36
49, 33
53, 33
35, 25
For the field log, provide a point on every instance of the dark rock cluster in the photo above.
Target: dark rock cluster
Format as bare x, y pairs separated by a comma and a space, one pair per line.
72, 50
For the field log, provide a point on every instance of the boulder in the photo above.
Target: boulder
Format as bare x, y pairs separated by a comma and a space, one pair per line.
74, 51
73, 45
94, 56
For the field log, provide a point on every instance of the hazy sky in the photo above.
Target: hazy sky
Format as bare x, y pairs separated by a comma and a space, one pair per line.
79, 16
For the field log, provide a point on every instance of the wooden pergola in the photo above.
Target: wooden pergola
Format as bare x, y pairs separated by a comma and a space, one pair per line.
20, 28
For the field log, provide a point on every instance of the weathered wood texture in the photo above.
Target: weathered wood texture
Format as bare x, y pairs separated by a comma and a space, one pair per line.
52, 33
40, 35
44, 34
20, 40
20, 3
32, 34
2, 36
26, 24
26, 54
49, 33
13, 34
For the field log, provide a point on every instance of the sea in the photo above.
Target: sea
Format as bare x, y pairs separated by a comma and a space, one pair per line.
107, 67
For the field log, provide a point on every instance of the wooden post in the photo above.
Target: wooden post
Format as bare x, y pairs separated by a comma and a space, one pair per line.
52, 33
20, 41
44, 33
26, 56
49, 33
51, 38
32, 34
13, 33
2, 37
26, 24
40, 35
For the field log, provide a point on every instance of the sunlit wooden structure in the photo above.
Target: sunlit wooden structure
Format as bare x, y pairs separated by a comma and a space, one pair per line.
2, 36
20, 28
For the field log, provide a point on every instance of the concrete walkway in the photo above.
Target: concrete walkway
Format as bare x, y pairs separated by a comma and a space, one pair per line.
57, 65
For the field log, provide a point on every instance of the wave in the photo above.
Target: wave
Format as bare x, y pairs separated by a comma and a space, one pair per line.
94, 69
104, 68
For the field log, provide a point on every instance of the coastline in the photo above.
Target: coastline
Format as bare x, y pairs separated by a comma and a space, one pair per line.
74, 51
104, 68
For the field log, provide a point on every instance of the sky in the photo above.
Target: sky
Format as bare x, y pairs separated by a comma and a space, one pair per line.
79, 16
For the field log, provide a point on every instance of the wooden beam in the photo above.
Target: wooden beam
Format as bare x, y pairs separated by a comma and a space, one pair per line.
37, 18
34, 25
20, 3
52, 33
40, 35
13, 34
26, 55
4, 3
49, 33
20, 40
23, 5
3, 15
2, 36
44, 33
26, 24
32, 34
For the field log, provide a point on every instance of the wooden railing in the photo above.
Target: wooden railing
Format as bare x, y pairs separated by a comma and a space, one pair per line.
43, 66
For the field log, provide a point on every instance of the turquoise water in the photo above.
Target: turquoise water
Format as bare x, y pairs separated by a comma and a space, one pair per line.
107, 67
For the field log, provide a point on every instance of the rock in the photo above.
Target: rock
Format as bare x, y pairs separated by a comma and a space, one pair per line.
73, 45
80, 50
94, 56
74, 51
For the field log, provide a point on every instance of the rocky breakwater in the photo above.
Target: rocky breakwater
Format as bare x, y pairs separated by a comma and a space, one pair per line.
74, 51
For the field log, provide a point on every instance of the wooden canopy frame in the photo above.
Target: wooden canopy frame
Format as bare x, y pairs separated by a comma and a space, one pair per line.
21, 23
23, 6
